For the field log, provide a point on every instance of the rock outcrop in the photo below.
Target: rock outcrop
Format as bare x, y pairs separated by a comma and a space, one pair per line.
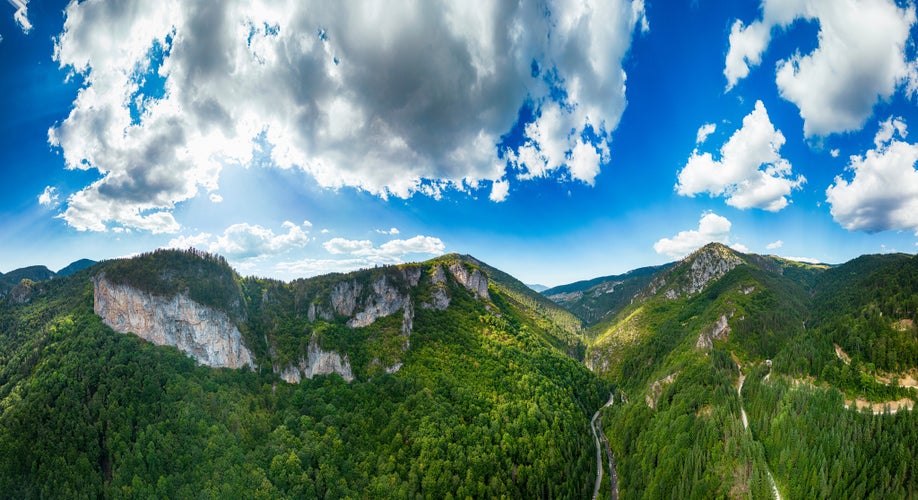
384, 300
720, 330
473, 280
709, 264
205, 334
439, 297
317, 362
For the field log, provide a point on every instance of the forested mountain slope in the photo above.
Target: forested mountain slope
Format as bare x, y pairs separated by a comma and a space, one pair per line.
677, 351
462, 386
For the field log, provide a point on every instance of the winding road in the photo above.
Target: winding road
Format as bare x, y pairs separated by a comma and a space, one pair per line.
598, 435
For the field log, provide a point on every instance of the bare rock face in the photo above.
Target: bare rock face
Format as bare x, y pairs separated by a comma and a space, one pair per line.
439, 297
344, 297
710, 264
317, 362
720, 330
473, 280
205, 334
384, 301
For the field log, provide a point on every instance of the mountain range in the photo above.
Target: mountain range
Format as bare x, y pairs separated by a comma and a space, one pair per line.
721, 375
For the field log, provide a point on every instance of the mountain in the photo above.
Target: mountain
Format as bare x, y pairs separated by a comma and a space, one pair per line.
33, 273
592, 300
680, 352
731, 375
75, 266
433, 379
537, 287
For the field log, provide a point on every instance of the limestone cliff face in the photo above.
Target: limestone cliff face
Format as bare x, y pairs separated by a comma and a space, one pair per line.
384, 300
207, 335
710, 264
474, 280
317, 362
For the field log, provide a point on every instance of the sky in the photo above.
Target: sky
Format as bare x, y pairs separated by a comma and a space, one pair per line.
556, 140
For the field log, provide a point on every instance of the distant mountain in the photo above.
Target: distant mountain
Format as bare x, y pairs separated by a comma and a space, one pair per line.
537, 288
33, 273
592, 300
75, 266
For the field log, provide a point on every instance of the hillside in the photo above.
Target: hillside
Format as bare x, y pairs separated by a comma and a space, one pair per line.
680, 352
460, 384
732, 375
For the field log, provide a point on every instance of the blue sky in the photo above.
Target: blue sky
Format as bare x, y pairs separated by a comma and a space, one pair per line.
557, 141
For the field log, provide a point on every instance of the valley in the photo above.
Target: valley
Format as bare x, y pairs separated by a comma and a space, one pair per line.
721, 375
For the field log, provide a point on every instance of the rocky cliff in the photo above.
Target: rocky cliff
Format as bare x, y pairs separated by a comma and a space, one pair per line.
317, 362
207, 335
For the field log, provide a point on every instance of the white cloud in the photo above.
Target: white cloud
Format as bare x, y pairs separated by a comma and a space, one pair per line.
48, 197
392, 99
499, 191
711, 228
417, 244
21, 16
338, 246
246, 241
834, 153
201, 241
216, 198
806, 260
837, 84
312, 267
393, 249
774, 245
739, 247
882, 193
361, 254
750, 173
704, 131
390, 231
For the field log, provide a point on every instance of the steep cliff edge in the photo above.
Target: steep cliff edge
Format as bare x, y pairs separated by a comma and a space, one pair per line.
205, 334
356, 325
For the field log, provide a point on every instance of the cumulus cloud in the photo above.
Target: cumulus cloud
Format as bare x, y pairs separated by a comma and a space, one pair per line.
246, 241
837, 84
750, 173
774, 245
21, 16
711, 228
216, 198
48, 197
882, 192
390, 231
499, 191
389, 252
361, 254
391, 99
805, 260
704, 131
338, 246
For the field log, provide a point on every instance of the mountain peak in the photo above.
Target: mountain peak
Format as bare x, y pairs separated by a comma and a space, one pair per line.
695, 272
